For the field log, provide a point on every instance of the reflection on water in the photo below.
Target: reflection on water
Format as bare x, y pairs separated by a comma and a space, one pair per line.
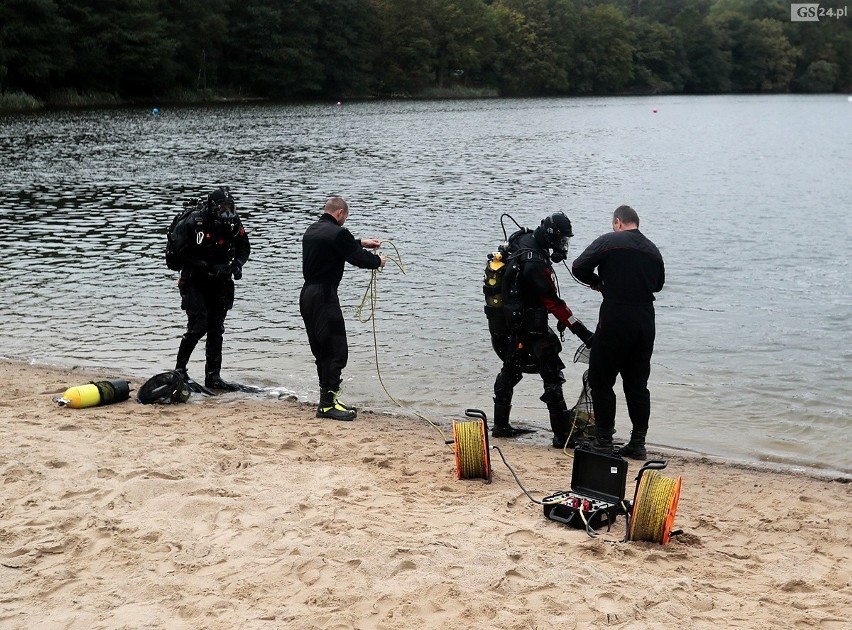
743, 195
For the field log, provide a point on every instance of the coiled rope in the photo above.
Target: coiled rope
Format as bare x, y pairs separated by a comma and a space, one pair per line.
654, 508
371, 296
471, 450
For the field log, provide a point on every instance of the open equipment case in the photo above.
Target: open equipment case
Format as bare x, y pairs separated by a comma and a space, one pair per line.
596, 497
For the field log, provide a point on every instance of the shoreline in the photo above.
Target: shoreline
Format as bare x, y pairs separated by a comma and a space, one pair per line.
252, 513
294, 398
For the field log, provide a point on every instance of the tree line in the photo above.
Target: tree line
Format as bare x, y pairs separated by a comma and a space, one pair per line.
310, 49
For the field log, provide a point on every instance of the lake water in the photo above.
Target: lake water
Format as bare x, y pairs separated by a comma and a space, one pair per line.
747, 197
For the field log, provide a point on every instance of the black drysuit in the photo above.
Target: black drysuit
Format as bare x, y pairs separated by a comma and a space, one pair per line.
326, 247
211, 253
630, 270
533, 346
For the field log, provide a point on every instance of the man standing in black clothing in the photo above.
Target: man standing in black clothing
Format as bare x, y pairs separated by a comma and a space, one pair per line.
630, 270
525, 342
213, 248
326, 247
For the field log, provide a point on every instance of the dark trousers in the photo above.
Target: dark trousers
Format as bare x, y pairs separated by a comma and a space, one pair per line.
206, 304
320, 309
540, 351
623, 344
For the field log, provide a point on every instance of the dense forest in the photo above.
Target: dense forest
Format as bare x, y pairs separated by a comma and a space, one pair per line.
56, 51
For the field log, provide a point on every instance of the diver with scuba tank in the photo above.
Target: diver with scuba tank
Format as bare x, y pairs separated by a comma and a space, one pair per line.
210, 247
518, 313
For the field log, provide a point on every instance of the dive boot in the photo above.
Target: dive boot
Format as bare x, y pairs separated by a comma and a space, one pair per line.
602, 443
329, 408
635, 448
340, 403
501, 427
214, 381
559, 441
191, 384
560, 423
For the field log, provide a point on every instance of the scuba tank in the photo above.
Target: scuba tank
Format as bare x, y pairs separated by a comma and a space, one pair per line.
492, 284
94, 394
501, 270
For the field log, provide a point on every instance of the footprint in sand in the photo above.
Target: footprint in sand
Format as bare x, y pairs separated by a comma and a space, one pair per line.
153, 474
311, 571
405, 565
513, 575
227, 465
611, 606
522, 536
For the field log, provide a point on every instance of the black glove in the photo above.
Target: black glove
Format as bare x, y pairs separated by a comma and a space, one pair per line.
236, 270
583, 333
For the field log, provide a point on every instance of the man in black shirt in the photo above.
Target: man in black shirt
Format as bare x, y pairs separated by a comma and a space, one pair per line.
326, 247
630, 270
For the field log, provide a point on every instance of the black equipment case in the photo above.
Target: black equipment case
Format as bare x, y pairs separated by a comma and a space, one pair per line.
597, 492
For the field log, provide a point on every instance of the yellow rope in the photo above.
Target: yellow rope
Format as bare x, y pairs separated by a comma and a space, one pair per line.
372, 295
655, 499
574, 417
471, 454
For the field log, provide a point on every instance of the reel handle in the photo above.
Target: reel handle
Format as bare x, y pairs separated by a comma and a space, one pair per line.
476, 413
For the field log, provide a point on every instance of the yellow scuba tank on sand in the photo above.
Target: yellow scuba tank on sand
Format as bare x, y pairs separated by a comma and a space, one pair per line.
94, 394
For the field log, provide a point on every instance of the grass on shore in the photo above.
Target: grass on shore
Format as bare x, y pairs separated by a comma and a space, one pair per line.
19, 102
70, 98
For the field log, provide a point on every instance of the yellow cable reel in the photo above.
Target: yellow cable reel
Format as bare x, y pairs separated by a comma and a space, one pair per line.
470, 440
654, 507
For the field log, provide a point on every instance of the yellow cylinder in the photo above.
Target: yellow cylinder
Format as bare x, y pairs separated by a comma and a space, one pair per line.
82, 396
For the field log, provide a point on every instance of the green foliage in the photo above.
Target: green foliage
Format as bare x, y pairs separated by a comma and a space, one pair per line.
33, 44
69, 97
604, 55
277, 51
118, 48
820, 76
101, 50
199, 30
762, 59
19, 102
659, 57
347, 47
535, 46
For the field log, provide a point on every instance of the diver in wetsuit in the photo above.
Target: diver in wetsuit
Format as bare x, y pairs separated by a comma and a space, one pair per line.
214, 247
529, 345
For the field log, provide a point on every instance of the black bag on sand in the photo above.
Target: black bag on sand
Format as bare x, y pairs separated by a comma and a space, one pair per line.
164, 389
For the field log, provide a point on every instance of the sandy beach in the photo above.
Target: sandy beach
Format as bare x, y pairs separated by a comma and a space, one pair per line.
241, 511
